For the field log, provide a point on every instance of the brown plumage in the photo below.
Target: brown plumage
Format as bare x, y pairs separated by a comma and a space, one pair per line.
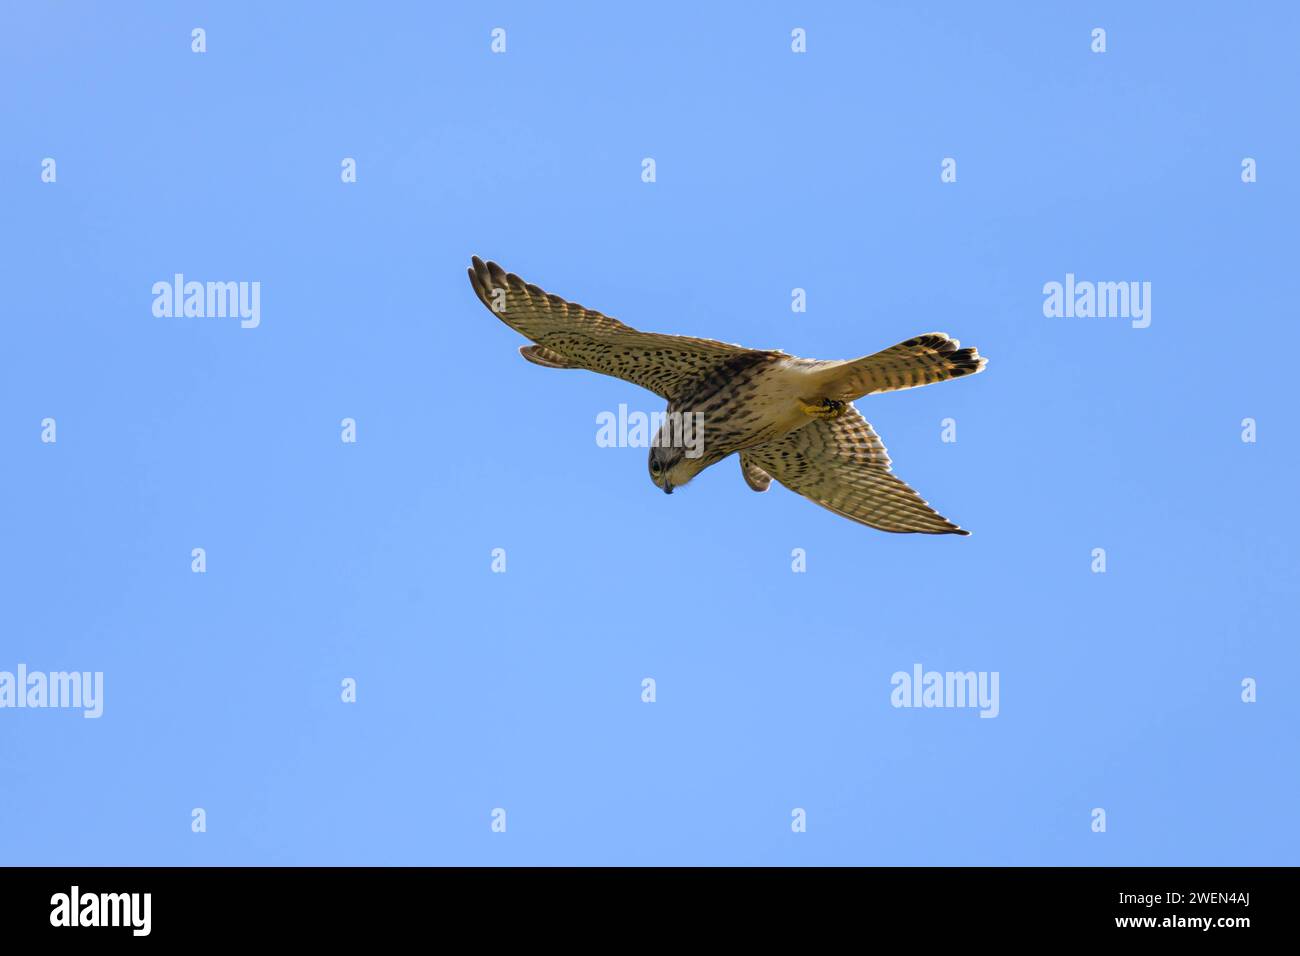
789, 418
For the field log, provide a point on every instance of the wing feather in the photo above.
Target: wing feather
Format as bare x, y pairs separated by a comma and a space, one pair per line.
841, 464
574, 337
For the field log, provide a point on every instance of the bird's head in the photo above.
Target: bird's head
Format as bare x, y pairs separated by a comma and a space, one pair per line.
678, 452
671, 467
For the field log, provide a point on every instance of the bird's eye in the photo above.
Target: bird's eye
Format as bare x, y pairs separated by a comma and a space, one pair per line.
655, 467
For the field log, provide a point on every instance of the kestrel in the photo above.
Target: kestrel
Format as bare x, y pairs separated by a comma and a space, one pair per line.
789, 418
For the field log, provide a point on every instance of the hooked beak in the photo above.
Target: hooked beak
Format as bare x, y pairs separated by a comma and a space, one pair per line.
668, 487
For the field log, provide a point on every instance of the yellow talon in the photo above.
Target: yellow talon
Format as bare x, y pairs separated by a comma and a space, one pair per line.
825, 408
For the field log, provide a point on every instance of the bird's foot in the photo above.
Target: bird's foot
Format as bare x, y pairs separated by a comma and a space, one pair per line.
828, 408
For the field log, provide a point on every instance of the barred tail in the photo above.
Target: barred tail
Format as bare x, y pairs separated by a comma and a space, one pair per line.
932, 357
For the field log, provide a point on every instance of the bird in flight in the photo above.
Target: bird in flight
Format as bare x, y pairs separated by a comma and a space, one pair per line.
789, 418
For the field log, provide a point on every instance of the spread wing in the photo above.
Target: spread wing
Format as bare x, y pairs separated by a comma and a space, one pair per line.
569, 336
841, 464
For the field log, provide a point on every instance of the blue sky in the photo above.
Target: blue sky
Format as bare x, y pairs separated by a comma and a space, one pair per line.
775, 170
